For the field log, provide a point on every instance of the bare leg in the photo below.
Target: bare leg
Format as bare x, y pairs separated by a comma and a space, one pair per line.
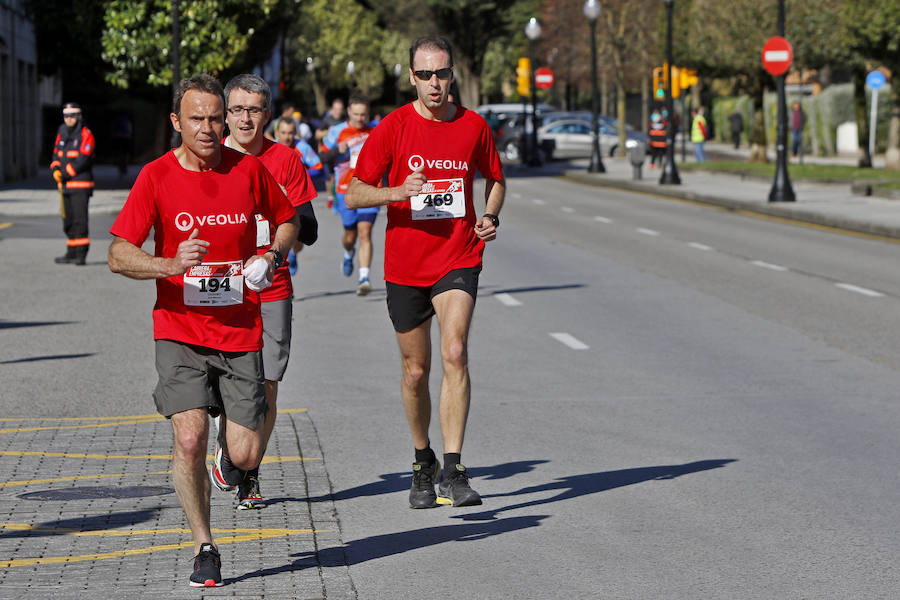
365, 244
245, 446
454, 310
415, 356
271, 401
348, 240
191, 431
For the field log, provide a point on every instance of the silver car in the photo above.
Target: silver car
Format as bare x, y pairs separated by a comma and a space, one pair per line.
571, 138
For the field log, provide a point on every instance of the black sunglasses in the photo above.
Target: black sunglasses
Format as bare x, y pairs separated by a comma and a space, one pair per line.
425, 74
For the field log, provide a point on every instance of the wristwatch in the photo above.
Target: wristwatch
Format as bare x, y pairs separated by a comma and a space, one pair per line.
494, 219
279, 257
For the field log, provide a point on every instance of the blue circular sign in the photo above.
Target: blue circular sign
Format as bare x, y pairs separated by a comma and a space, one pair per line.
875, 80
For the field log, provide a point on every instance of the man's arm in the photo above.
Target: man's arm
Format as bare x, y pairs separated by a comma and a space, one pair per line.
285, 234
494, 195
127, 259
362, 195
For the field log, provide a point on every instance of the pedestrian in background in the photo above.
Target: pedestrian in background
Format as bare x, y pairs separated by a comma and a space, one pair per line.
699, 133
798, 122
737, 127
658, 141
73, 158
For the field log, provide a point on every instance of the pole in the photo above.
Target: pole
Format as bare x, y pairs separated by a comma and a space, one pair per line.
596, 165
684, 132
535, 159
873, 119
176, 59
781, 187
670, 171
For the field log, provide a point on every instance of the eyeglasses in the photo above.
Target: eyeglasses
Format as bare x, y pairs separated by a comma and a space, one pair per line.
252, 111
71, 115
425, 74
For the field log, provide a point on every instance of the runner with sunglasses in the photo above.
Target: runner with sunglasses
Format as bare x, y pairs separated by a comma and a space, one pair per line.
430, 150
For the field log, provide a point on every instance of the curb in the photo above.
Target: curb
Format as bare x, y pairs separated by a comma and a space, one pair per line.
781, 210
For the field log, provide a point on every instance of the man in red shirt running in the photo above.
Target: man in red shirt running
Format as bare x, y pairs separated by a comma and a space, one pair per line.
247, 99
431, 149
200, 199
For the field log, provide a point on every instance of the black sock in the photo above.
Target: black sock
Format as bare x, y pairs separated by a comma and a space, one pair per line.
451, 459
254, 472
425, 456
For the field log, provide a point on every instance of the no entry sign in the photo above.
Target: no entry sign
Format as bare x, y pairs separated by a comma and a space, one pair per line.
543, 78
777, 55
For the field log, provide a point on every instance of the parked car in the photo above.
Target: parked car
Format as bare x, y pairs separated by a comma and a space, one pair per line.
571, 138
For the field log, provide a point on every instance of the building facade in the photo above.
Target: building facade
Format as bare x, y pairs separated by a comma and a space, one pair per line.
20, 111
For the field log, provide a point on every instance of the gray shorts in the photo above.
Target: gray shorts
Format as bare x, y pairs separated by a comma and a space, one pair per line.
222, 382
276, 318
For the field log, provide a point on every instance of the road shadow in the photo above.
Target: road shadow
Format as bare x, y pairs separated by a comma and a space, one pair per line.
117, 520
46, 357
16, 324
391, 483
575, 486
535, 288
389, 544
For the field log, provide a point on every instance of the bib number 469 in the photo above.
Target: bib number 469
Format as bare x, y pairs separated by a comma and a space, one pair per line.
438, 200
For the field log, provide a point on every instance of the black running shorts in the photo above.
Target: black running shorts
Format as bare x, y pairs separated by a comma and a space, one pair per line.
409, 306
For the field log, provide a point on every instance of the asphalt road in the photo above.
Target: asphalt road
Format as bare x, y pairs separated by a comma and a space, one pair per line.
669, 401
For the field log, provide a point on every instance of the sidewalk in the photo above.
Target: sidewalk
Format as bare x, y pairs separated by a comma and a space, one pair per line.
824, 204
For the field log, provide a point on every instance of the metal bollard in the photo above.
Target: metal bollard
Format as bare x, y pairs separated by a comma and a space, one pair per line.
637, 152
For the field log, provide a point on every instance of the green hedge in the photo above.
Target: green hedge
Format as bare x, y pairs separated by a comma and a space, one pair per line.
824, 112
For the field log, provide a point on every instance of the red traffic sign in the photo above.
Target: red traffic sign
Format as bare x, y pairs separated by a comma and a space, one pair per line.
777, 55
543, 78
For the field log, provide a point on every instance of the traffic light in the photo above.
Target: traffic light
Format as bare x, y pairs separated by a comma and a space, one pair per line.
523, 77
659, 83
688, 77
676, 82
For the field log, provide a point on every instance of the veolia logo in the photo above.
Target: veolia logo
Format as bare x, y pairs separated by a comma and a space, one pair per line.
184, 221
416, 162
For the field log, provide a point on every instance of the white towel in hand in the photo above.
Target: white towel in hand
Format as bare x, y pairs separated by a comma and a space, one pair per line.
256, 275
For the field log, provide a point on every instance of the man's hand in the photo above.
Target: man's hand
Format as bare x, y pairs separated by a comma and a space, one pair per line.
57, 176
258, 272
485, 230
190, 253
412, 185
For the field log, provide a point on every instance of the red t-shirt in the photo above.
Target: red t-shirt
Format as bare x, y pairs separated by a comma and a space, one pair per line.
286, 166
209, 305
433, 233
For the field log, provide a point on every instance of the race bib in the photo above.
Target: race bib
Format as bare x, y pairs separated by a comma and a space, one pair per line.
263, 236
214, 284
440, 199
354, 155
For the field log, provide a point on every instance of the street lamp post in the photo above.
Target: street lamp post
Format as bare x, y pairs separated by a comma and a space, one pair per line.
592, 12
398, 70
670, 172
781, 187
533, 32
351, 68
176, 59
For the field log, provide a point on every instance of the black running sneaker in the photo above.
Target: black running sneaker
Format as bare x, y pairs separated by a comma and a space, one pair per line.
248, 495
454, 489
421, 494
207, 568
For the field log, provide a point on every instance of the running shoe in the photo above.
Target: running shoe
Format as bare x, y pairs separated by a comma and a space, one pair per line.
421, 494
364, 287
347, 265
207, 568
454, 489
292, 262
248, 496
215, 471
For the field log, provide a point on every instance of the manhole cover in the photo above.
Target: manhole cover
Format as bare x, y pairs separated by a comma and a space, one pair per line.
90, 493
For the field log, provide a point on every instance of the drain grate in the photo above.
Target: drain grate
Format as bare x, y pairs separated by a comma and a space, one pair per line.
92, 493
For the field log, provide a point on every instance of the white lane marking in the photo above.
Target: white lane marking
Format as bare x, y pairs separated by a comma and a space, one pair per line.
567, 209
769, 266
603, 219
568, 340
859, 290
652, 232
697, 246
506, 299
538, 201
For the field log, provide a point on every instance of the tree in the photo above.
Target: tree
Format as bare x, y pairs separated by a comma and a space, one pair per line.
332, 33
137, 38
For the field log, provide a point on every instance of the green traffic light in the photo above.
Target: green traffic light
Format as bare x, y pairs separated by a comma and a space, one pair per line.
660, 93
